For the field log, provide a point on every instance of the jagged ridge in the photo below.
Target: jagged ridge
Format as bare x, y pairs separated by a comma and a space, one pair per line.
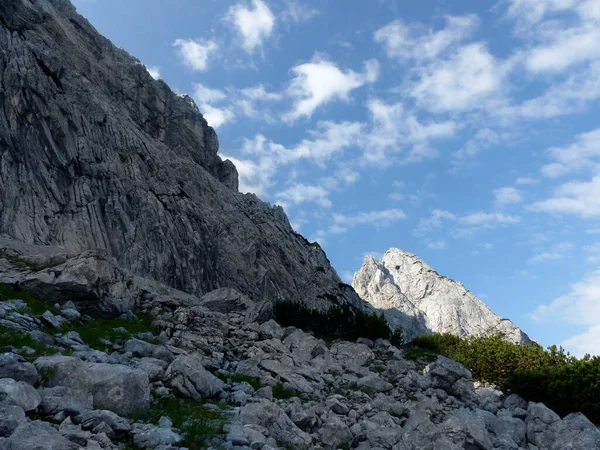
428, 301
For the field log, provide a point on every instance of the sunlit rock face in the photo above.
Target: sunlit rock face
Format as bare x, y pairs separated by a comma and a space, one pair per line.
96, 154
428, 301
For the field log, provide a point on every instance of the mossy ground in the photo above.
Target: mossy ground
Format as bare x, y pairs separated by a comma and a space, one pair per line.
199, 423
35, 304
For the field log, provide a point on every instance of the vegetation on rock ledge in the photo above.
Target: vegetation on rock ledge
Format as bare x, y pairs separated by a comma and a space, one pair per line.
562, 382
338, 322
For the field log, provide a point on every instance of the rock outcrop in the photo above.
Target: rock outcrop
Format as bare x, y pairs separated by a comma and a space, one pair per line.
95, 154
276, 388
421, 300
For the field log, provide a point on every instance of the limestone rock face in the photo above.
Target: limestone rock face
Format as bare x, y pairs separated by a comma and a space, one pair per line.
423, 301
95, 154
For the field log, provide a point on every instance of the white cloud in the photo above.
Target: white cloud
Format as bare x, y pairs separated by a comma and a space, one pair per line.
204, 94
464, 225
579, 198
216, 117
437, 245
593, 253
259, 93
393, 128
580, 306
546, 256
378, 218
255, 177
154, 72
578, 156
320, 82
404, 41
584, 343
295, 11
302, 193
483, 139
196, 54
465, 81
484, 219
254, 23
507, 196
531, 12
565, 97
526, 181
570, 47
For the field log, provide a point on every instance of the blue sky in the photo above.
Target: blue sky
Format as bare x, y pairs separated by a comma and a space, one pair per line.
465, 132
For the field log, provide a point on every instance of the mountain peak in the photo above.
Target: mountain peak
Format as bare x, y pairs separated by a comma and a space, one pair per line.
402, 282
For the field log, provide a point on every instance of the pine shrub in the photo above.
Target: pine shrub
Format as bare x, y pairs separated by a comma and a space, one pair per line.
562, 382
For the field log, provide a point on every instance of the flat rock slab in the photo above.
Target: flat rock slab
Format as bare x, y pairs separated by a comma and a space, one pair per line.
115, 387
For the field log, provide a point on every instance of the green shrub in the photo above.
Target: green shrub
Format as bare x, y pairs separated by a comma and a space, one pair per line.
252, 381
283, 393
564, 383
199, 423
36, 305
338, 322
18, 339
116, 330
397, 338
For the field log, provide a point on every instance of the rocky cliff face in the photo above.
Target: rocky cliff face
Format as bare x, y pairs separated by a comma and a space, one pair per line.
428, 301
95, 154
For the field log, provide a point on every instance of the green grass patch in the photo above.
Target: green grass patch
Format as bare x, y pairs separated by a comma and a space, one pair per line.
252, 381
17, 339
283, 393
36, 305
199, 423
116, 330
421, 356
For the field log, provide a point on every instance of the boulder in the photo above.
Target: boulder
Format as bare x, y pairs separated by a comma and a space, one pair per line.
113, 386
64, 399
276, 421
226, 300
139, 348
15, 367
20, 394
151, 436
38, 435
187, 375
373, 383
352, 355
11, 416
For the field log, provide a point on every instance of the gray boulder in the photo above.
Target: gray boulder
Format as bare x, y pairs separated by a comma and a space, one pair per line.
11, 416
64, 399
15, 367
352, 355
187, 375
373, 383
38, 435
276, 421
151, 436
452, 377
113, 386
20, 394
139, 348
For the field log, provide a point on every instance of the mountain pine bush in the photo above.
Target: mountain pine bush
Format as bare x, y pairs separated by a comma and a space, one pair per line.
562, 382
338, 322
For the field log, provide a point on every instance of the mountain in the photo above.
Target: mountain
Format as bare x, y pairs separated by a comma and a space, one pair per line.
426, 300
113, 199
96, 154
